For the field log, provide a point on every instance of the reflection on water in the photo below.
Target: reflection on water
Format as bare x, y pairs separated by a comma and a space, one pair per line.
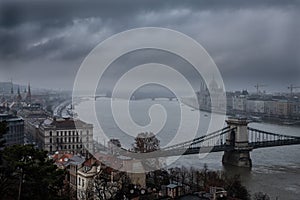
275, 170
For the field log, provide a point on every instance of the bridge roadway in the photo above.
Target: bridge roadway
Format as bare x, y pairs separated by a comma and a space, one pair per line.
206, 149
236, 141
172, 152
256, 145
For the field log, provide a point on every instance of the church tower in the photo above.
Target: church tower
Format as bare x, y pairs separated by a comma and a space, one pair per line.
28, 96
12, 87
19, 97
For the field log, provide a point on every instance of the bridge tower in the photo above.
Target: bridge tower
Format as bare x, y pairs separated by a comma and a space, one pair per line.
238, 151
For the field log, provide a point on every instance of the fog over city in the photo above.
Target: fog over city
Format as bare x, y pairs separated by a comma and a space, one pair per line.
150, 99
44, 42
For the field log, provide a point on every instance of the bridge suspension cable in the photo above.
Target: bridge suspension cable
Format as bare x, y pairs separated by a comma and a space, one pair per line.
201, 139
260, 139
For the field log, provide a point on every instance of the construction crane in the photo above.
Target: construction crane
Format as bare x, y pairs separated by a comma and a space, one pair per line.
257, 86
292, 87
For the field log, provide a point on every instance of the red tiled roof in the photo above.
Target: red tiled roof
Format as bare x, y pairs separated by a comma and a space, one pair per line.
90, 162
60, 158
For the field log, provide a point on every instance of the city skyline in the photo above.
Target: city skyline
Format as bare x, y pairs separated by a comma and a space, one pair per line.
5, 86
149, 99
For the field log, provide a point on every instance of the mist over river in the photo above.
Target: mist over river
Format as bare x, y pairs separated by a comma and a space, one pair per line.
275, 170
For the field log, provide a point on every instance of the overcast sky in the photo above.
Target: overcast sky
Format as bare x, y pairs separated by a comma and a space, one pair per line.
257, 41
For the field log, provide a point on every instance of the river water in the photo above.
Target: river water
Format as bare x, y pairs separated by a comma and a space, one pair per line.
275, 170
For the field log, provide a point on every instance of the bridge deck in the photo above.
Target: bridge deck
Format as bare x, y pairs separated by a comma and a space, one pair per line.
215, 142
206, 149
265, 144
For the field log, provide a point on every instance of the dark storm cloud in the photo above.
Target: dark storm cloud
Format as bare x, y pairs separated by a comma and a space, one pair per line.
42, 18
257, 40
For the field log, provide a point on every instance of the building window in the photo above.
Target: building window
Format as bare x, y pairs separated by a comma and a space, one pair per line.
87, 132
50, 140
82, 182
79, 181
50, 133
57, 133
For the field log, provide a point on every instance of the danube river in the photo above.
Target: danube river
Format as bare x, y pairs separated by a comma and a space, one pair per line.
275, 170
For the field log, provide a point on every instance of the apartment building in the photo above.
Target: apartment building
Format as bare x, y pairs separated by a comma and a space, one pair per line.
66, 135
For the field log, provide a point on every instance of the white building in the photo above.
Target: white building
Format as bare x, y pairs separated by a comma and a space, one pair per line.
96, 180
213, 98
66, 135
239, 103
270, 108
255, 106
295, 108
85, 176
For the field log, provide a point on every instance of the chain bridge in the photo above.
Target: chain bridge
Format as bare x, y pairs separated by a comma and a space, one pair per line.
236, 140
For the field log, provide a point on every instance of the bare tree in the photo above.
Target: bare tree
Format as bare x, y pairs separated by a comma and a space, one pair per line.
101, 187
89, 192
105, 190
146, 142
192, 178
114, 146
261, 196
